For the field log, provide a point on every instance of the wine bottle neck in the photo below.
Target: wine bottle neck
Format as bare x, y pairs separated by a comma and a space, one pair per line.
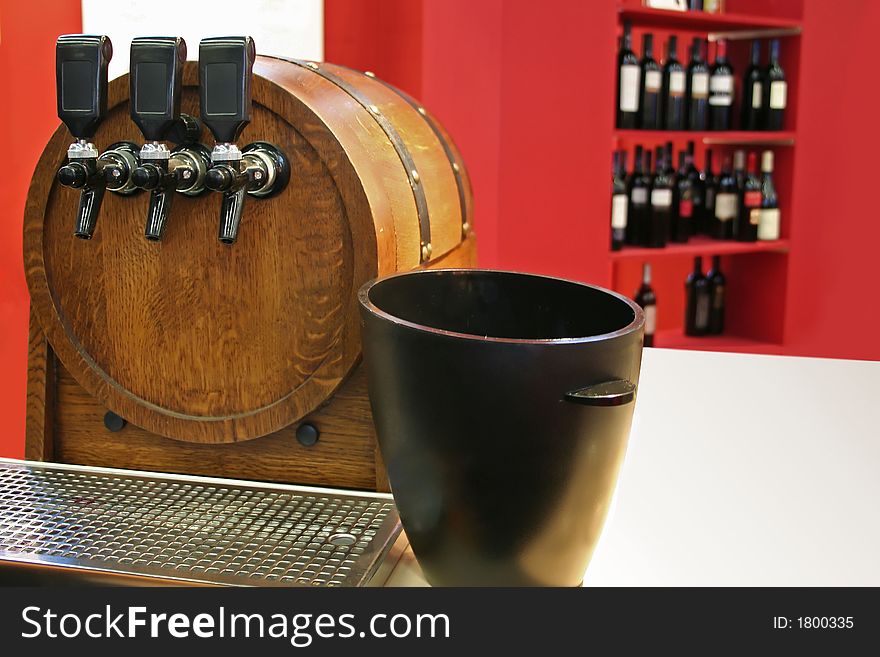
646, 274
721, 51
774, 51
756, 53
648, 46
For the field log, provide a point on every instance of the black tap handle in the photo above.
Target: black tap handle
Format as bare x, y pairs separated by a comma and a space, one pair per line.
225, 71
156, 73
81, 62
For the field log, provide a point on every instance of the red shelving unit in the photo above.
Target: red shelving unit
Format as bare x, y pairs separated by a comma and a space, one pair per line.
756, 272
704, 21
676, 339
709, 138
700, 246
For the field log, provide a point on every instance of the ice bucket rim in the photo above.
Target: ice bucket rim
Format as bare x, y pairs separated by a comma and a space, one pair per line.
367, 305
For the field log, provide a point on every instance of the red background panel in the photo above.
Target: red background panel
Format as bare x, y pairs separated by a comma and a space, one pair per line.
27, 118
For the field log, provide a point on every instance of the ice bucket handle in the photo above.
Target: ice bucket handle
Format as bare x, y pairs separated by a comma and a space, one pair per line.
607, 393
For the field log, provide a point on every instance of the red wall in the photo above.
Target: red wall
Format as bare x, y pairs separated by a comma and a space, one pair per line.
27, 117
830, 308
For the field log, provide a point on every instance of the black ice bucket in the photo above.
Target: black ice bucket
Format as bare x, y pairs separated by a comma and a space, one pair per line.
502, 404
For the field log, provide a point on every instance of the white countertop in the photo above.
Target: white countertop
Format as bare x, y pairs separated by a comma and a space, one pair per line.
743, 470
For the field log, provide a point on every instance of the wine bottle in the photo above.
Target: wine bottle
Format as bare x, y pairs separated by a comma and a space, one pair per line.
619, 201
646, 298
768, 224
638, 216
698, 303
752, 92
628, 75
661, 204
745, 228
668, 169
683, 201
739, 167
698, 190
674, 83
706, 224
697, 88
717, 283
726, 199
644, 229
775, 78
651, 85
721, 89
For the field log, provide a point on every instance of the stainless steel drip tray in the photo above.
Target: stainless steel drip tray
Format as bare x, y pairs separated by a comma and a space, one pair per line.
62, 524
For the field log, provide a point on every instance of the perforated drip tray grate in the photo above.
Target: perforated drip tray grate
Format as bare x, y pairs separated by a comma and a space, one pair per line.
118, 526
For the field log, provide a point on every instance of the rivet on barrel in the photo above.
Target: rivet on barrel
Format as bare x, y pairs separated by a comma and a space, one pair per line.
415, 177
114, 422
455, 167
465, 229
426, 251
307, 434
421, 111
369, 74
312, 65
374, 110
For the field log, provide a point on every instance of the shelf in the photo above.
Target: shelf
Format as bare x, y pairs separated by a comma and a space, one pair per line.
676, 339
699, 246
705, 22
710, 138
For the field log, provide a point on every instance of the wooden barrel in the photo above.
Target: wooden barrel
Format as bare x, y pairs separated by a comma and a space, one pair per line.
205, 342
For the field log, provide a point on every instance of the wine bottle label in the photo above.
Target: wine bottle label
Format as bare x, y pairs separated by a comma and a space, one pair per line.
721, 84
768, 225
752, 199
721, 88
618, 211
699, 85
755, 216
650, 319
676, 83
685, 207
725, 206
702, 314
661, 198
639, 195
756, 95
718, 297
629, 87
653, 80
778, 94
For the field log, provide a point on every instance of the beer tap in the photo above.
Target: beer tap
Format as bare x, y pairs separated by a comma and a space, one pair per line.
156, 73
81, 84
259, 169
